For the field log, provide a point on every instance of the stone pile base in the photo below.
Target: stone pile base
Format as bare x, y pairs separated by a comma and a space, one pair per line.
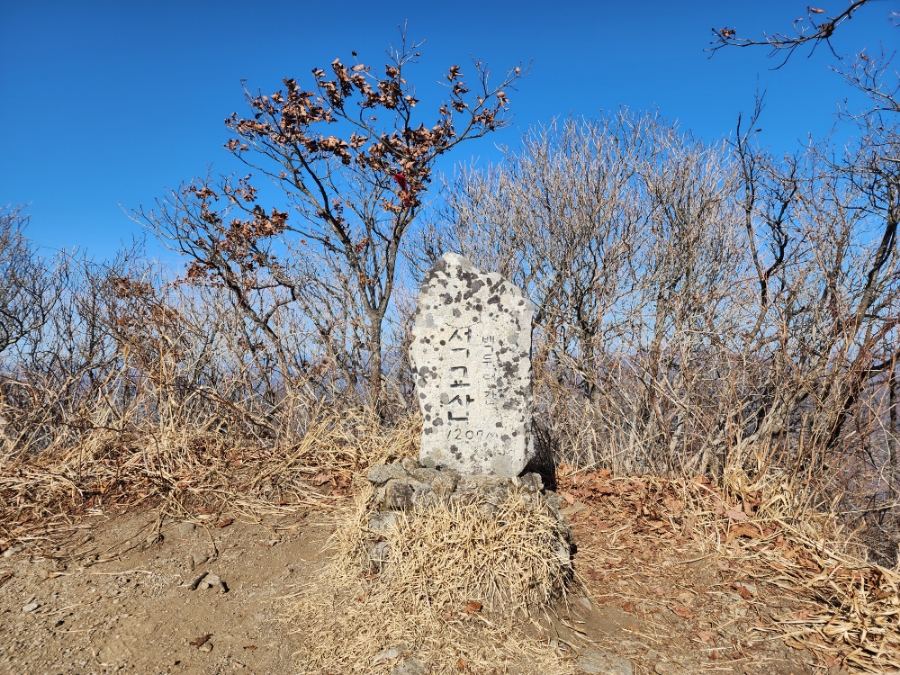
408, 486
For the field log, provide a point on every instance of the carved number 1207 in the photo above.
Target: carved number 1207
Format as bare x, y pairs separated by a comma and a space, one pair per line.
458, 435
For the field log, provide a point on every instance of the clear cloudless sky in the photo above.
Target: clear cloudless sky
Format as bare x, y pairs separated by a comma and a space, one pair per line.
106, 103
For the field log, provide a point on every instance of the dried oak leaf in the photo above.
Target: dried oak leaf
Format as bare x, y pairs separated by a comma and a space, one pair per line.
736, 514
321, 478
461, 664
473, 606
744, 530
705, 636
200, 641
224, 523
745, 592
683, 612
252, 648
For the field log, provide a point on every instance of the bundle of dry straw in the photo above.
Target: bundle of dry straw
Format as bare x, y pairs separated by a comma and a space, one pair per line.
455, 582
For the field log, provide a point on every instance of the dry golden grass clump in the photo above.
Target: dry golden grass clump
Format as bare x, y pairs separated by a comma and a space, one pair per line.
453, 592
185, 465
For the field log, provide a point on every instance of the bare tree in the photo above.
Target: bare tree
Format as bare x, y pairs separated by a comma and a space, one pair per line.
355, 198
26, 289
814, 30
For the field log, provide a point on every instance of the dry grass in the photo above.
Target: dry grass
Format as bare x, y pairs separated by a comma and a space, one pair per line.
184, 468
449, 567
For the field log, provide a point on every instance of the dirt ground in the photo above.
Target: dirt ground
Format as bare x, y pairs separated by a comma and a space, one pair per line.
120, 594
113, 596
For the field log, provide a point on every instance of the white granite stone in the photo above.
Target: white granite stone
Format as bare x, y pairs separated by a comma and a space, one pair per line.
471, 352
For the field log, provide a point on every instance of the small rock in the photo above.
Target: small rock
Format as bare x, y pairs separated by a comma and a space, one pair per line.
186, 528
382, 521
666, 668
410, 666
554, 500
206, 647
380, 474
390, 653
154, 538
444, 484
398, 495
530, 482
30, 607
380, 552
199, 558
425, 475
409, 464
212, 581
11, 551
272, 542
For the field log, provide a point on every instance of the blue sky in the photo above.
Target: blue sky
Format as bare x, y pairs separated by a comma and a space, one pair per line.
107, 103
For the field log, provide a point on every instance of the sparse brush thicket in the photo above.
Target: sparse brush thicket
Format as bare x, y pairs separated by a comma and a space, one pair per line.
704, 309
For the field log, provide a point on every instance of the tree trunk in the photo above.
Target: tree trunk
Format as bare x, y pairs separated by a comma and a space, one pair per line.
375, 359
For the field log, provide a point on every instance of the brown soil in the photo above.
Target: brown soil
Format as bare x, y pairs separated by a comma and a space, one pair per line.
112, 596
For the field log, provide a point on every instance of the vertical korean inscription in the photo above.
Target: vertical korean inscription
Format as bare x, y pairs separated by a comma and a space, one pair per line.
471, 354
468, 389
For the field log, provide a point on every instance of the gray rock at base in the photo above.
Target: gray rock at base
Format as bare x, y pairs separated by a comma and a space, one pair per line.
380, 474
383, 521
390, 653
597, 663
471, 352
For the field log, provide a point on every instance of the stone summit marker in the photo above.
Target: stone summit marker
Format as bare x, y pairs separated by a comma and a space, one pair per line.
471, 352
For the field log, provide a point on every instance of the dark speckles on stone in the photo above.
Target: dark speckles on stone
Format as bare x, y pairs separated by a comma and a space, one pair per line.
494, 312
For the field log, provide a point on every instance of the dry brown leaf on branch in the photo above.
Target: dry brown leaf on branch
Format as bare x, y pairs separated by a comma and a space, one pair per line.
473, 606
224, 523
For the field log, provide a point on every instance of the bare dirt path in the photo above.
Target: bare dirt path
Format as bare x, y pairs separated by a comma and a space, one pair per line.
115, 597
